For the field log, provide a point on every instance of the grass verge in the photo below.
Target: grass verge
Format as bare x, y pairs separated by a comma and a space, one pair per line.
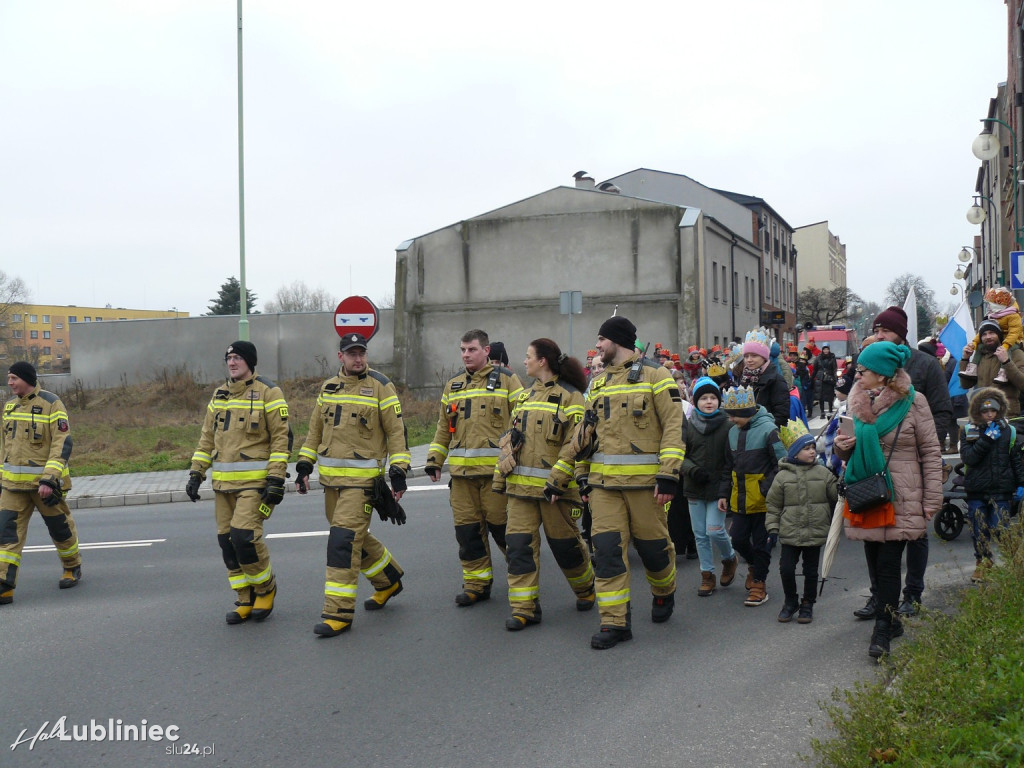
952, 696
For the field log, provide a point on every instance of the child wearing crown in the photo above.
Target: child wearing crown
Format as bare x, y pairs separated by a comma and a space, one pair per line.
1001, 307
800, 506
751, 463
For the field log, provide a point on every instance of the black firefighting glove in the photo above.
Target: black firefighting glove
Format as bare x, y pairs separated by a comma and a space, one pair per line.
583, 481
552, 492
666, 486
192, 486
434, 473
303, 469
399, 516
54, 498
273, 494
397, 477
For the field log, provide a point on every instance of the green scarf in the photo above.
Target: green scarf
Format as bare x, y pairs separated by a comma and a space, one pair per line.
868, 458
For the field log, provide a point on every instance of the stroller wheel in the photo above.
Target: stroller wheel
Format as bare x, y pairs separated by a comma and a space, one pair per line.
949, 522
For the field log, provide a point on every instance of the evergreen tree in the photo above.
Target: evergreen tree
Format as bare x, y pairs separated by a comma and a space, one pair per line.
228, 301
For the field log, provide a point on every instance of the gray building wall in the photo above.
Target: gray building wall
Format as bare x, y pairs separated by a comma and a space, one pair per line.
289, 345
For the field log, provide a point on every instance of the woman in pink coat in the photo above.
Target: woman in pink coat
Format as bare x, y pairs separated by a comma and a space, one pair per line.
885, 408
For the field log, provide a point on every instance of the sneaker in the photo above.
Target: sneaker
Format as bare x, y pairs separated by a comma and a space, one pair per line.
758, 595
240, 614
263, 605
749, 583
788, 610
806, 615
729, 571
609, 637
707, 583
331, 628
380, 598
70, 578
869, 609
662, 607
909, 607
587, 601
468, 597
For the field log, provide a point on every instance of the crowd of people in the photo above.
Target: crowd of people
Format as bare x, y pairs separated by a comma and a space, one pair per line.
696, 456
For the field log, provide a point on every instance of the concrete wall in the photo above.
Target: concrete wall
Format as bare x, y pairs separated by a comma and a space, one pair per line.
289, 345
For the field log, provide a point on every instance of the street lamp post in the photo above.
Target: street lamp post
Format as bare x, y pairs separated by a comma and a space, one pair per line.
986, 147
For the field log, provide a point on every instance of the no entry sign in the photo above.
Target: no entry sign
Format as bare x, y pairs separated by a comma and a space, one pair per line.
356, 314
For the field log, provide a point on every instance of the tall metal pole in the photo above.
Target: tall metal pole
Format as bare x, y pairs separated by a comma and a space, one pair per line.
243, 320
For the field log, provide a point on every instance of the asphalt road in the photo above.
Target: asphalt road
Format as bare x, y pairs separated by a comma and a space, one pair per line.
422, 683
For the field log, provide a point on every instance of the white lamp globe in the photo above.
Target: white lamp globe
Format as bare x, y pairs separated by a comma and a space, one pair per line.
976, 215
965, 255
985, 146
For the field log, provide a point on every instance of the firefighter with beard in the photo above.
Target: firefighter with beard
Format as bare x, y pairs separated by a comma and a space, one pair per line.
246, 440
476, 408
629, 451
354, 429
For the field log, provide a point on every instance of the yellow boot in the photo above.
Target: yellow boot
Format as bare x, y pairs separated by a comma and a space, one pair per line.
331, 627
241, 613
264, 604
380, 598
7, 596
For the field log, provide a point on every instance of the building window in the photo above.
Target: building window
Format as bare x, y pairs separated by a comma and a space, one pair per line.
33, 334
767, 285
714, 280
746, 292
735, 287
33, 318
60, 326
16, 318
46, 350
87, 319
60, 341
17, 334
778, 296
72, 318
60, 357
46, 334
46, 318
725, 285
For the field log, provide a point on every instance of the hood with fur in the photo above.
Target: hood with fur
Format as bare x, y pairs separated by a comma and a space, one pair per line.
980, 396
867, 411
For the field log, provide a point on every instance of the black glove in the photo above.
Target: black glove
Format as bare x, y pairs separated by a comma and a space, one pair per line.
399, 516
583, 481
666, 486
434, 473
702, 476
273, 494
551, 492
397, 477
54, 498
303, 469
192, 486
773, 539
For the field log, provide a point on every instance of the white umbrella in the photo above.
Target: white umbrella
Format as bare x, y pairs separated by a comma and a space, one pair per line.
835, 531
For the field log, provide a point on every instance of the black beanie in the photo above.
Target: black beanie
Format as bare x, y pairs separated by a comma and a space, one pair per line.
25, 372
498, 353
245, 350
619, 330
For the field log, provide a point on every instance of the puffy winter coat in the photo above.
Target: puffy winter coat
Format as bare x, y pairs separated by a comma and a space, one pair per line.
751, 462
800, 503
993, 468
915, 466
771, 391
707, 440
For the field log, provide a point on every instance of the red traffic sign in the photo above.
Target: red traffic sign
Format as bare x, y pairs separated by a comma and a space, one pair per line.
356, 314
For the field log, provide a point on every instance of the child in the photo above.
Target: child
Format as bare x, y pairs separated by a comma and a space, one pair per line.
1001, 307
750, 466
800, 504
993, 472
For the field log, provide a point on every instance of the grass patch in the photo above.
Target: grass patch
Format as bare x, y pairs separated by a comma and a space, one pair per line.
951, 697
155, 427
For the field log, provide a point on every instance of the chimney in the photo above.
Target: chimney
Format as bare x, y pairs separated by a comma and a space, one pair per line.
583, 181
607, 186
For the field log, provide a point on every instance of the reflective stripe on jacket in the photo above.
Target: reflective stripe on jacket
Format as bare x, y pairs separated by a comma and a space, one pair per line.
35, 442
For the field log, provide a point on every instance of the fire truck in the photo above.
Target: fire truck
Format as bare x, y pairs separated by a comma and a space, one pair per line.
841, 340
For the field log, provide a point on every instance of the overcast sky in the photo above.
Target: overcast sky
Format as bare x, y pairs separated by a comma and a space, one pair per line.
367, 124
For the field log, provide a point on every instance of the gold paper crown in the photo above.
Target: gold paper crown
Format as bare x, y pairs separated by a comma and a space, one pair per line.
716, 369
739, 399
791, 432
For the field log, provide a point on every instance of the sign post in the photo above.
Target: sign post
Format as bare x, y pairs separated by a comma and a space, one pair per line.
1017, 270
570, 303
356, 314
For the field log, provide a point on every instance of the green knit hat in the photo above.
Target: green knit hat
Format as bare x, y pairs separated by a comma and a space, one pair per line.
884, 357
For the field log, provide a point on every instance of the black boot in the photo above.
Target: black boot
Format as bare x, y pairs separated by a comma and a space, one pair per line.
880, 639
788, 610
869, 610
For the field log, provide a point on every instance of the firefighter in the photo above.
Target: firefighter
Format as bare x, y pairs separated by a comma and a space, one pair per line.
35, 445
632, 430
540, 487
356, 426
246, 439
475, 410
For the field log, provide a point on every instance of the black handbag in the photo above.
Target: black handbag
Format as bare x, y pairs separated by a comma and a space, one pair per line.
871, 491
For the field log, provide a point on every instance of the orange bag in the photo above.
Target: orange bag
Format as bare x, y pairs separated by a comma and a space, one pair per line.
877, 517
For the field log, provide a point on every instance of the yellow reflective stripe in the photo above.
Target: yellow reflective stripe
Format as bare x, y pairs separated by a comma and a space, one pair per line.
257, 474
563, 466
671, 453
22, 474
661, 386
387, 402
400, 457
574, 410
618, 597
238, 582
623, 389
338, 589
10, 557
484, 574
278, 457
226, 405
202, 456
351, 400
273, 405
38, 418
471, 394
308, 453
538, 406
522, 593
379, 566
72, 550
584, 578
437, 448
512, 395
624, 469
326, 471
517, 479
480, 461
665, 581
260, 577
55, 465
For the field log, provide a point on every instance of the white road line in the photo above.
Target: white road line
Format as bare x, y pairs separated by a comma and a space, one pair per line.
298, 534
98, 545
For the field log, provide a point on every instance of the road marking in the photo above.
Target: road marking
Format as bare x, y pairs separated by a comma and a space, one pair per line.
98, 545
296, 535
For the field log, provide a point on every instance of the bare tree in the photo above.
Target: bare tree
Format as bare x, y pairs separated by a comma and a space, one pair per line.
13, 295
821, 307
896, 295
299, 297
387, 301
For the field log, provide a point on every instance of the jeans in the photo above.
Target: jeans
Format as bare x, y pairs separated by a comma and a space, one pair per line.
787, 570
986, 516
709, 526
885, 560
750, 539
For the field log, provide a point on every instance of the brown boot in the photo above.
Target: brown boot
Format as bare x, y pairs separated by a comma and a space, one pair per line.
707, 583
758, 595
749, 583
980, 571
729, 570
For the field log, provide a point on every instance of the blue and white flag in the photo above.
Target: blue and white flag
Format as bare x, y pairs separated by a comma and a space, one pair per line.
958, 331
